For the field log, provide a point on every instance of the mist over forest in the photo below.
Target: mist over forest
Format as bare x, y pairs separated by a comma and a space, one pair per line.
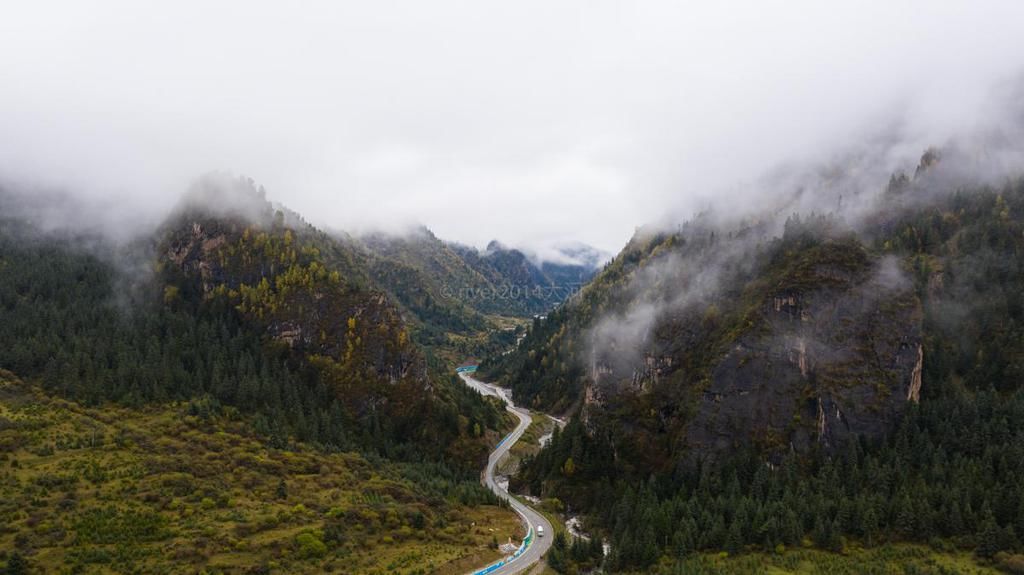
459, 287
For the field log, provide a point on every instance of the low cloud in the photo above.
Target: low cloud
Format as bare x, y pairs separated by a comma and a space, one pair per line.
844, 190
529, 122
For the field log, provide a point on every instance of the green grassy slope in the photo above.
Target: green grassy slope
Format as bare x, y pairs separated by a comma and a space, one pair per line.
189, 487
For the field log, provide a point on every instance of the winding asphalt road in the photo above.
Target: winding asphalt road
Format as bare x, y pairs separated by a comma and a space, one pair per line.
539, 546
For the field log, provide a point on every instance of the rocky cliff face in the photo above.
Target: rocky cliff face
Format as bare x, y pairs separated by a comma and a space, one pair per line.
822, 365
820, 344
788, 336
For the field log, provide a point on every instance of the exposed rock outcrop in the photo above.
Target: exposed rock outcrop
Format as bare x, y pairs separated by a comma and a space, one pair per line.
847, 367
914, 390
829, 351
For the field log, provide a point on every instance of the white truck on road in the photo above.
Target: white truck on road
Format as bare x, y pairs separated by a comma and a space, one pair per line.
540, 531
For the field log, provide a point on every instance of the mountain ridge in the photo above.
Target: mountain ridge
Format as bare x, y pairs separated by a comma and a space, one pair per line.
714, 369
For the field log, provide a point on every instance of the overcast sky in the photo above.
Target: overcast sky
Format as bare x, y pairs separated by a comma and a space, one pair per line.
527, 121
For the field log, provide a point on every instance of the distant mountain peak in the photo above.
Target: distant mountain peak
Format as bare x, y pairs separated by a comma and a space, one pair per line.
495, 246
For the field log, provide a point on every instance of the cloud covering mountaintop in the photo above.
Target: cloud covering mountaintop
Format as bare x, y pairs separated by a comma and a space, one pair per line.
531, 122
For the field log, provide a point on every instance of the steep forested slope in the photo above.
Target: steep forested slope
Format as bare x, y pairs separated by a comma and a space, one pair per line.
418, 269
739, 367
162, 386
276, 320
